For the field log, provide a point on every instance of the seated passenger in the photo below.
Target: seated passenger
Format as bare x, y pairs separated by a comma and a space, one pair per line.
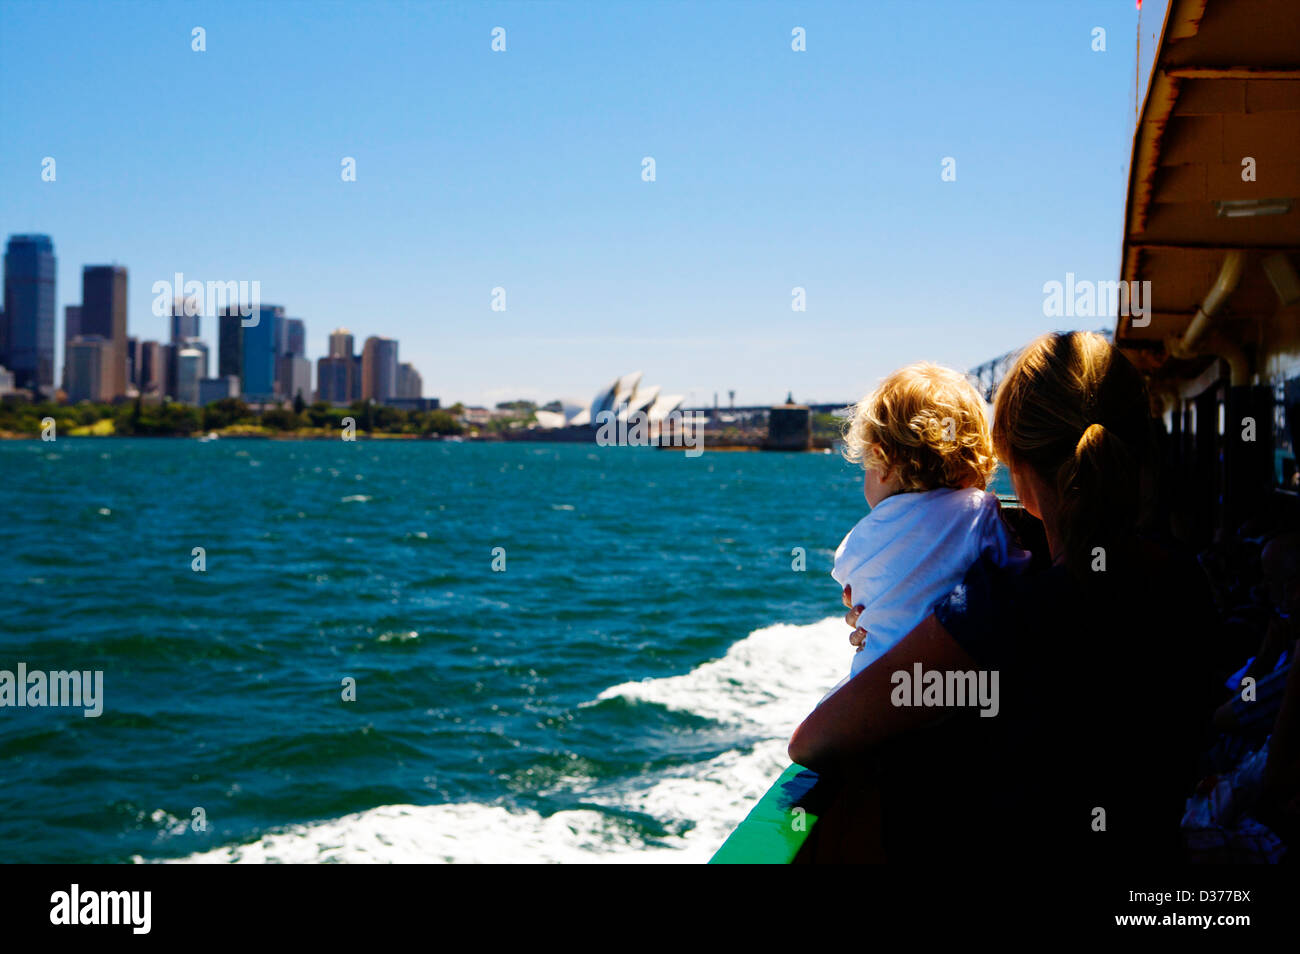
1279, 800
1256, 706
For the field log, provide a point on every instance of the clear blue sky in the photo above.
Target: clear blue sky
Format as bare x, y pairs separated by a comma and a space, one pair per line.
522, 169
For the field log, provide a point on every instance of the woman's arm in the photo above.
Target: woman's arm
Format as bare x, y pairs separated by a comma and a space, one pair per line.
861, 715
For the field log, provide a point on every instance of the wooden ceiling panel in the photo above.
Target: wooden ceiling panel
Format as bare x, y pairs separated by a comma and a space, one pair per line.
1199, 224
1211, 98
1268, 137
1192, 139
1225, 86
1271, 96
1253, 33
1273, 180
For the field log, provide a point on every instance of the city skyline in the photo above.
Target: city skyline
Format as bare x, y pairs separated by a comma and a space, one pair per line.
263, 361
775, 169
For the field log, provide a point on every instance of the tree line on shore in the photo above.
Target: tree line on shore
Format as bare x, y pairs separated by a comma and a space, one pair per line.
230, 416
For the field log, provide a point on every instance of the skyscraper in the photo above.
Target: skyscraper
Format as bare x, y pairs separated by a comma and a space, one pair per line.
230, 344
409, 382
185, 320
185, 335
334, 380
167, 369
295, 338
133, 362
151, 372
295, 377
86, 366
338, 377
103, 313
71, 330
341, 343
189, 371
293, 370
217, 389
199, 345
258, 383
379, 369
27, 332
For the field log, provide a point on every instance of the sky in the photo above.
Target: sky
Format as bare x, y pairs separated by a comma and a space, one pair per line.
523, 169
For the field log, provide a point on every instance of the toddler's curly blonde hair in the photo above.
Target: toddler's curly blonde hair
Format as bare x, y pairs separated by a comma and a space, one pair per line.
929, 424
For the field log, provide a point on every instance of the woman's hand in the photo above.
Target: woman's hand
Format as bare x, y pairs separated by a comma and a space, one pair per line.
860, 714
859, 635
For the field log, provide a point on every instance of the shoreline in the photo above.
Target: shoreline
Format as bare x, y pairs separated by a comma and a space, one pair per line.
382, 437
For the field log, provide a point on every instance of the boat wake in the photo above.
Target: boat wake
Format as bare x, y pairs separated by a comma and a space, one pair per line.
761, 688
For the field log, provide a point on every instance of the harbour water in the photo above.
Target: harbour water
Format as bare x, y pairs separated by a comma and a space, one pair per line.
619, 688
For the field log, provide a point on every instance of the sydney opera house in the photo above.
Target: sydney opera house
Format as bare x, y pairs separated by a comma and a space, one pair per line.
624, 397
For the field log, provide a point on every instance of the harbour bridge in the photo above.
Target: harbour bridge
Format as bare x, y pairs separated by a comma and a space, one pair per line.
990, 374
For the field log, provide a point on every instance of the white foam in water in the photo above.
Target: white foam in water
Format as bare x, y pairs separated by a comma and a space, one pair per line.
763, 686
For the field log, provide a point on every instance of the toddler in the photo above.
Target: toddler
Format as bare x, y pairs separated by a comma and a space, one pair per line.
923, 440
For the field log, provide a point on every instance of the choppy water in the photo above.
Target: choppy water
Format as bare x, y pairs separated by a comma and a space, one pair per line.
622, 691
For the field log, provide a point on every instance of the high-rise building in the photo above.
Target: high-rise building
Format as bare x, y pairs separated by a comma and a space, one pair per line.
27, 332
280, 337
258, 382
201, 346
217, 389
296, 377
191, 368
103, 313
167, 369
290, 375
338, 378
230, 344
189, 371
71, 324
334, 380
379, 369
133, 362
151, 371
341, 343
71, 330
185, 319
87, 368
295, 338
185, 334
409, 382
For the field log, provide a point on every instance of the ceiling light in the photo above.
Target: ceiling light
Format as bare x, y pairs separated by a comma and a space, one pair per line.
1242, 208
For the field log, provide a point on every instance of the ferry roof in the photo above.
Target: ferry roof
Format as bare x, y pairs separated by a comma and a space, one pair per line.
1224, 88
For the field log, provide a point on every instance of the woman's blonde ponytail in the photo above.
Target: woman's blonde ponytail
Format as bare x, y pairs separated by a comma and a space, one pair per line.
1076, 411
1100, 501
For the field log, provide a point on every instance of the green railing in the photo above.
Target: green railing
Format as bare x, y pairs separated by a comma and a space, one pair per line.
777, 827
774, 831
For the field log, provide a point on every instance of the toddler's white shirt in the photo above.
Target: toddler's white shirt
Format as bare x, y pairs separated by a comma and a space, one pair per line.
910, 552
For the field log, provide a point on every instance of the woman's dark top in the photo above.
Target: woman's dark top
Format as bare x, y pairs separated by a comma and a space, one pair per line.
1103, 703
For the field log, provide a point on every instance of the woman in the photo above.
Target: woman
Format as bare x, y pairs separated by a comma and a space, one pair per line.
1098, 656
